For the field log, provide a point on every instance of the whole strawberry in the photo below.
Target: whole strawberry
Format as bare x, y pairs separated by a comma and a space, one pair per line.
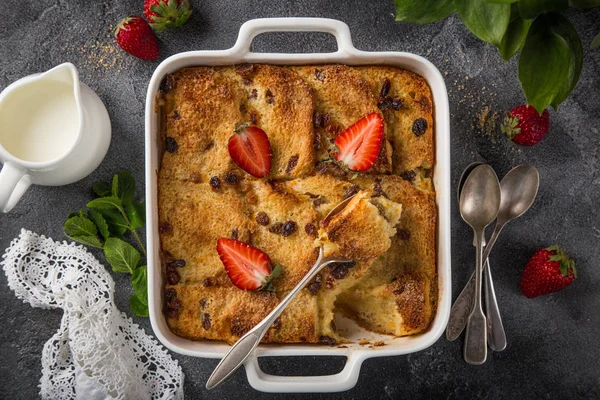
525, 126
135, 36
548, 271
163, 14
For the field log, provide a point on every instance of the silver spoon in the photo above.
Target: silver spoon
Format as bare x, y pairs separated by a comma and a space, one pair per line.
240, 351
479, 205
518, 191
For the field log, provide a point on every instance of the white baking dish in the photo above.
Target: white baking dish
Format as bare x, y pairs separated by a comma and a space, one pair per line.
356, 354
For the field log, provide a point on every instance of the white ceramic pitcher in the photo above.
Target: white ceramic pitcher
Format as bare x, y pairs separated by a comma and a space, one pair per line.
54, 131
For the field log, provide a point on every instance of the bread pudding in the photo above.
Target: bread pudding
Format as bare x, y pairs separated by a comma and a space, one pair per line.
254, 157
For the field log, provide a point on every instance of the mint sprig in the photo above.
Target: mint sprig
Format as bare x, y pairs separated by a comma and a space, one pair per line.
104, 224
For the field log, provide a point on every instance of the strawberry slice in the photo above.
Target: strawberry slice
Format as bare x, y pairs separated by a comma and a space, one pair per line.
250, 149
247, 267
359, 145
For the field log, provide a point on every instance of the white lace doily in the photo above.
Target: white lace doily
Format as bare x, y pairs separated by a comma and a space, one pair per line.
98, 352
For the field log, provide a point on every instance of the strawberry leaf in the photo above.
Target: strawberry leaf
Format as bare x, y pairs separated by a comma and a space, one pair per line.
584, 3
530, 8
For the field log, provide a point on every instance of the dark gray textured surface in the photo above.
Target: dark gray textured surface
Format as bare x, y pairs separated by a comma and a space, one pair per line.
554, 344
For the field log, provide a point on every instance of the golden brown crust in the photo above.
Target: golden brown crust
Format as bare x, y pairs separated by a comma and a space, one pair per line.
410, 151
199, 113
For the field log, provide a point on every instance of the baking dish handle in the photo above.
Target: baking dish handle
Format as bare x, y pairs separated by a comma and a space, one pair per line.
249, 30
344, 380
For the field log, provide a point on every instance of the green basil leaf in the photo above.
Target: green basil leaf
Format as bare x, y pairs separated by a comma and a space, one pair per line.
136, 212
138, 308
100, 223
515, 35
595, 42
117, 225
530, 8
561, 26
123, 186
584, 3
543, 64
101, 189
487, 21
80, 226
139, 282
423, 11
93, 241
105, 203
122, 256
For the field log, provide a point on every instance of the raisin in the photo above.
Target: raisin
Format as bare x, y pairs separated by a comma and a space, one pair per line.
215, 182
170, 295
334, 130
165, 228
270, 96
253, 117
319, 200
385, 88
331, 168
400, 290
277, 228
173, 276
302, 338
176, 264
176, 115
167, 84
195, 177
276, 324
329, 282
171, 145
316, 119
253, 94
167, 257
209, 145
397, 104
207, 282
171, 313
203, 303
292, 162
206, 321
327, 340
384, 104
403, 234
378, 190
381, 210
325, 120
262, 218
351, 191
244, 70
340, 271
289, 228
235, 234
317, 142
419, 126
231, 178
319, 75
247, 81
408, 175
310, 229
315, 285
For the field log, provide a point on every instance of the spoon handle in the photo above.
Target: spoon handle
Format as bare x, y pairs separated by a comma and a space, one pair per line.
475, 350
495, 329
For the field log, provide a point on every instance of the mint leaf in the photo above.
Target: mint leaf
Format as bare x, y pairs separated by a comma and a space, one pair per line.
104, 203
136, 212
122, 256
75, 214
584, 3
487, 21
93, 241
140, 284
531, 8
138, 308
543, 65
117, 225
123, 186
101, 189
100, 223
80, 226
595, 42
561, 26
423, 11
515, 35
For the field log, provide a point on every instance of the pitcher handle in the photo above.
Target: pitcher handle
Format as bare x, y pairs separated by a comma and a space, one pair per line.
13, 184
